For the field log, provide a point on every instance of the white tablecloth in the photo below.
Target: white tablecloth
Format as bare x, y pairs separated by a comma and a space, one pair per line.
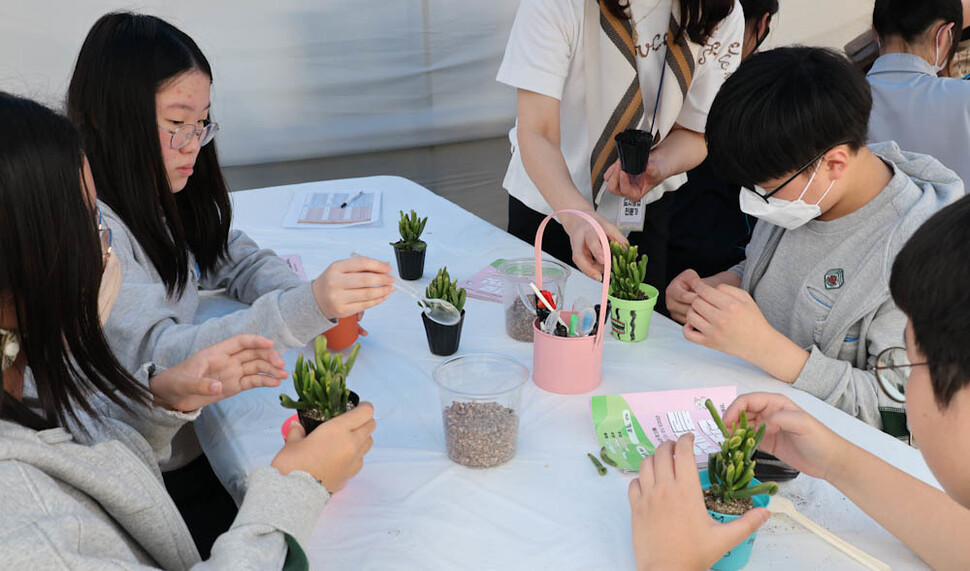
412, 508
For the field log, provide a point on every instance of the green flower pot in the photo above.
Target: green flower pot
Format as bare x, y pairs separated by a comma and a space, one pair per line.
630, 320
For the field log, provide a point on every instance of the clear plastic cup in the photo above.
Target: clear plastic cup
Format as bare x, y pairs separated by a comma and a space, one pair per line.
480, 397
518, 299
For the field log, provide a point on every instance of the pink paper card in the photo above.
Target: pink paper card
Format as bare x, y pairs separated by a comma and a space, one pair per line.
295, 263
486, 284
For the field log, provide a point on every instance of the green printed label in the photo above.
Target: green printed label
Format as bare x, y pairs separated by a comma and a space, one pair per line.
619, 432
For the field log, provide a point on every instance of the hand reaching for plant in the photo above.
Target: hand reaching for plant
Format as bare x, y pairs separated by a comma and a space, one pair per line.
793, 435
334, 451
350, 286
217, 372
671, 526
585, 243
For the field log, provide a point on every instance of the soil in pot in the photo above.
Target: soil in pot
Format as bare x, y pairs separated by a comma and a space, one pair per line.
443, 340
480, 434
736, 506
410, 263
311, 418
518, 320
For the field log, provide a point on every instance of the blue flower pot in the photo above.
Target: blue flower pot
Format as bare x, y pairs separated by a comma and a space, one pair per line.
738, 556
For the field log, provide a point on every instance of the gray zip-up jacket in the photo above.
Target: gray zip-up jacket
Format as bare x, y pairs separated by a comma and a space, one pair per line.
98, 502
146, 325
862, 320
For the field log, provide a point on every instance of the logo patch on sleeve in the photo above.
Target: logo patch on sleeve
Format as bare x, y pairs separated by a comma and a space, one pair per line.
834, 278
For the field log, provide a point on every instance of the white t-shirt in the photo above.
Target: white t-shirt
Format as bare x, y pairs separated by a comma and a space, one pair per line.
545, 54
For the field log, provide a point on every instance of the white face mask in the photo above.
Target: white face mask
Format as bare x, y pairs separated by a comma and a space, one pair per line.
110, 286
937, 64
787, 214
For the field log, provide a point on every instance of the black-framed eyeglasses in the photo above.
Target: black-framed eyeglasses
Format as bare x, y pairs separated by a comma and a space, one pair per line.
105, 236
768, 195
183, 134
892, 369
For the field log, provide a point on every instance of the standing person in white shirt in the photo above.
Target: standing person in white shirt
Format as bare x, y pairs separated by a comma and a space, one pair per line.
587, 70
922, 112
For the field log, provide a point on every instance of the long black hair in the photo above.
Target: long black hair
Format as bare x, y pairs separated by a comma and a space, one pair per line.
126, 58
51, 266
698, 18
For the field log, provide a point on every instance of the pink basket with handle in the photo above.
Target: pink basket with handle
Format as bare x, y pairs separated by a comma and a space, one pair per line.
570, 365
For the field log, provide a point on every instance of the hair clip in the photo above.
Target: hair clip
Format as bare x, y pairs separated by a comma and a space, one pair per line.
9, 348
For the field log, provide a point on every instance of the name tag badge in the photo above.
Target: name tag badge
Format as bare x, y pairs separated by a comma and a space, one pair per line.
631, 215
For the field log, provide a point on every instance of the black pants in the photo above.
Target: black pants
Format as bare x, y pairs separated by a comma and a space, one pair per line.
205, 505
708, 231
652, 240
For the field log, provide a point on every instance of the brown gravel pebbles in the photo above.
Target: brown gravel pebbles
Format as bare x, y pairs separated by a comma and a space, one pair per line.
518, 320
480, 434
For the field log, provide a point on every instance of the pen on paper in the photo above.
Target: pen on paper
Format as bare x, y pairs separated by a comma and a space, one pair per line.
354, 197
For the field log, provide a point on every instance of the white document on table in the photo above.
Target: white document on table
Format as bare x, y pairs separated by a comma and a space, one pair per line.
315, 209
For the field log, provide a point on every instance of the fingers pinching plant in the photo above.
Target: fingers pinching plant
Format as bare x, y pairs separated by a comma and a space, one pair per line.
732, 468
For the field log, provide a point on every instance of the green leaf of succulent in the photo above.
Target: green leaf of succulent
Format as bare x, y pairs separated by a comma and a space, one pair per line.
760, 435
717, 418
287, 402
352, 358
443, 287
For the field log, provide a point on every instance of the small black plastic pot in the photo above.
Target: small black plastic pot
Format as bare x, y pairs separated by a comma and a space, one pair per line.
633, 146
410, 263
443, 340
309, 423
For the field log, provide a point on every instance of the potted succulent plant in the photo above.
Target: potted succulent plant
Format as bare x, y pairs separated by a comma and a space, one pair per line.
631, 300
730, 488
410, 249
321, 386
443, 340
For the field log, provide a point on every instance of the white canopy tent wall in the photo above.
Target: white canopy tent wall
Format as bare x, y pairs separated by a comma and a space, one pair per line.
310, 79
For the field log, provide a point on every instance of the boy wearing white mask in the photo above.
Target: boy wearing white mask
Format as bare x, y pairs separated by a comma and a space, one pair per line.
810, 304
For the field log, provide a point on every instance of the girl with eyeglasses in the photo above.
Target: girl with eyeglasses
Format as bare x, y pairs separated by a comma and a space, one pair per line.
141, 97
81, 438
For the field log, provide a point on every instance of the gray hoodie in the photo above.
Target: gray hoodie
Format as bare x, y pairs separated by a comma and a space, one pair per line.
832, 295
98, 502
146, 325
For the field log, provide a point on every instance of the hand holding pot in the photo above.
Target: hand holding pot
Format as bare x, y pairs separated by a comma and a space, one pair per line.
630, 186
671, 527
334, 452
585, 244
217, 372
793, 435
350, 286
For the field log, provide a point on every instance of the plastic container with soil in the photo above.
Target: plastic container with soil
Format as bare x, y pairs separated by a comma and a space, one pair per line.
519, 301
480, 396
739, 555
443, 340
630, 319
